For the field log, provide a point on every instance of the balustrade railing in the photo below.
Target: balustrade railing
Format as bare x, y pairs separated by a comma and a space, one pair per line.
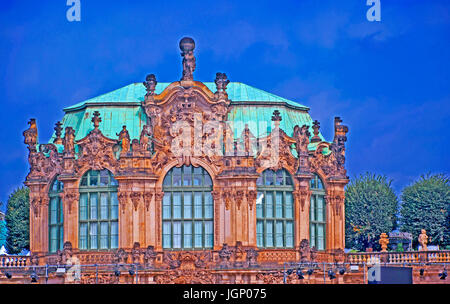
265, 256
14, 261
441, 256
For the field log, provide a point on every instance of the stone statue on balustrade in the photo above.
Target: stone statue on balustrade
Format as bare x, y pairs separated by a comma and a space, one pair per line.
423, 240
384, 241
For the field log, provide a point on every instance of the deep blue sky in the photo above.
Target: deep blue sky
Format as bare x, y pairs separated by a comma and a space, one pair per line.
388, 80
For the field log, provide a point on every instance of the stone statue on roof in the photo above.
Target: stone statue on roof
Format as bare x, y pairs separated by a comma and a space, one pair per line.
187, 46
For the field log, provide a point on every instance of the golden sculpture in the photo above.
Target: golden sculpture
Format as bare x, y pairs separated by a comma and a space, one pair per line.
423, 240
384, 241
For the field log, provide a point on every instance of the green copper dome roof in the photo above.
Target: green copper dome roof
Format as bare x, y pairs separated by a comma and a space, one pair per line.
135, 92
249, 105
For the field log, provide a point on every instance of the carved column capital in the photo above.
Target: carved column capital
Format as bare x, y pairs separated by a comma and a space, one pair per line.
69, 197
251, 198
148, 196
123, 199
239, 197
217, 195
227, 196
301, 195
135, 199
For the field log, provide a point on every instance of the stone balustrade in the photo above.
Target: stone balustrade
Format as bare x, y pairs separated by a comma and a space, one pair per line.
14, 261
441, 256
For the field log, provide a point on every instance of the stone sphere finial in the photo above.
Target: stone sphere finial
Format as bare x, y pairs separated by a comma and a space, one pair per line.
187, 44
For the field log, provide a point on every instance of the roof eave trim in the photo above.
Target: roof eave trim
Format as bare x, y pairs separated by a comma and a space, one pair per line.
269, 103
101, 104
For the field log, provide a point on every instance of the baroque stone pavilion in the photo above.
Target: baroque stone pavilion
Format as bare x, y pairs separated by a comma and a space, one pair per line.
212, 175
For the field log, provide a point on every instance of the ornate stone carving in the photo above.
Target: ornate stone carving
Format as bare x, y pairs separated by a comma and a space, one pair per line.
69, 141
187, 277
120, 256
384, 241
239, 198
221, 85
338, 146
316, 128
150, 85
337, 203
187, 46
275, 151
332, 164
148, 196
44, 164
135, 199
171, 260
270, 278
305, 251
64, 255
124, 138
102, 278
423, 240
239, 255
70, 196
136, 253
35, 204
252, 257
58, 129
96, 149
225, 255
228, 198
150, 256
34, 259
339, 256
249, 141
144, 140
187, 260
123, 199
251, 198
31, 135
301, 136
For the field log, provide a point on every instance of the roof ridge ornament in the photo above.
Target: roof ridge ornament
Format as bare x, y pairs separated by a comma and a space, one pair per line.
58, 130
221, 82
316, 128
187, 46
96, 119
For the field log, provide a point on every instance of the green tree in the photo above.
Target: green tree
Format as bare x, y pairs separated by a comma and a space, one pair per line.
3, 233
18, 221
371, 208
3, 230
426, 205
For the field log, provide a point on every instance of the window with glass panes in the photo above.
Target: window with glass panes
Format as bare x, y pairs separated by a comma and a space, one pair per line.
55, 217
187, 211
98, 211
275, 210
317, 217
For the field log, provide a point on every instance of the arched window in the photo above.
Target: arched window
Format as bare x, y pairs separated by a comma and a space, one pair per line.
98, 211
317, 217
55, 217
187, 211
274, 210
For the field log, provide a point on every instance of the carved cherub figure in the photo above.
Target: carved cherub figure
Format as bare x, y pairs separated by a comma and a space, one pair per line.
423, 239
301, 136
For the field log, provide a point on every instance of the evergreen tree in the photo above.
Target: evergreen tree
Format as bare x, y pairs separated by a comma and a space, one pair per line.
3, 233
426, 205
18, 221
370, 209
